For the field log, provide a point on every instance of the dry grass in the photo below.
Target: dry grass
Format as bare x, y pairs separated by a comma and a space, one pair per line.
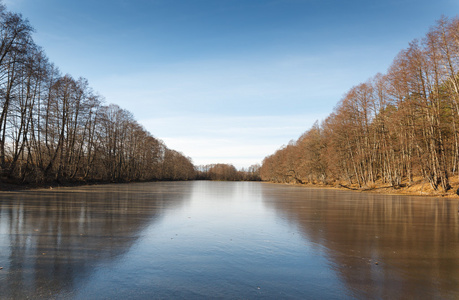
418, 187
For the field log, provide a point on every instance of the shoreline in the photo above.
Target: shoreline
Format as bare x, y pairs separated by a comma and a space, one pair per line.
6, 187
415, 189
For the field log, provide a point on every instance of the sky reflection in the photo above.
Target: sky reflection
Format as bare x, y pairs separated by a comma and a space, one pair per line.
225, 240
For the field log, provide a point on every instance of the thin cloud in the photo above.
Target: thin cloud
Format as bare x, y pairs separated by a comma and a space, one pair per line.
229, 86
241, 140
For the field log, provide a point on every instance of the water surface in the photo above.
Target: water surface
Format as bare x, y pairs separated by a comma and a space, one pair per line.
225, 240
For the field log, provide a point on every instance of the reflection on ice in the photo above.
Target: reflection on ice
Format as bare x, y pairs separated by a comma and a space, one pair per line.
52, 240
225, 240
380, 246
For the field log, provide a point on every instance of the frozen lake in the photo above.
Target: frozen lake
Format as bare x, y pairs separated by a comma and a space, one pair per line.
234, 240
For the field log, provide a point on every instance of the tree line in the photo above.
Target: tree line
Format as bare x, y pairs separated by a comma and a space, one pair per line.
227, 172
395, 128
54, 127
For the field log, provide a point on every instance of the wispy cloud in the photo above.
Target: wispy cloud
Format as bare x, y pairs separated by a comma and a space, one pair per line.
234, 111
240, 140
285, 85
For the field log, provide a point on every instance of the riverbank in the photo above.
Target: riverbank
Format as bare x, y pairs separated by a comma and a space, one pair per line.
10, 186
418, 187
6, 186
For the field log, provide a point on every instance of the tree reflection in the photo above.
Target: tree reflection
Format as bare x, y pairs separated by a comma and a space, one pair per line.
381, 246
53, 240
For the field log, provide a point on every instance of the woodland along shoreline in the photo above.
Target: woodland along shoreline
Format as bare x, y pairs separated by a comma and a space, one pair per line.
397, 131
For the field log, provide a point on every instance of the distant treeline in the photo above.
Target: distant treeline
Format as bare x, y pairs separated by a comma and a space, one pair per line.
227, 172
394, 128
55, 128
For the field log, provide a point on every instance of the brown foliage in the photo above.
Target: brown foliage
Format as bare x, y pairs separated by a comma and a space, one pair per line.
55, 128
392, 128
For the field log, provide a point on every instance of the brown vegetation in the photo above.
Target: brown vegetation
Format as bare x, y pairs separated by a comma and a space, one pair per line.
54, 128
227, 172
394, 130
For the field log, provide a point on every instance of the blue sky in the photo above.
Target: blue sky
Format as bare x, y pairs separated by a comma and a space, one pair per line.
227, 81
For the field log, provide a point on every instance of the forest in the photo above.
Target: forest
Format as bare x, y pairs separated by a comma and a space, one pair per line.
395, 129
55, 128
227, 172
